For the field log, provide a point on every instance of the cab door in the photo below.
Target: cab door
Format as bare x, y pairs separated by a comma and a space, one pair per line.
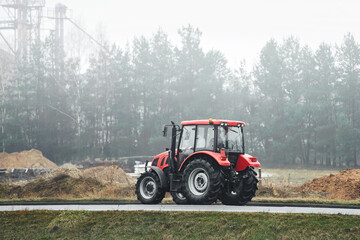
187, 142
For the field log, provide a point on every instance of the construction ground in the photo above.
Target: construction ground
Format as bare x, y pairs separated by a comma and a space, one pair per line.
39, 178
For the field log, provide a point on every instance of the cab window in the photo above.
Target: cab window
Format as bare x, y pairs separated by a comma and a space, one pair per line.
205, 138
188, 138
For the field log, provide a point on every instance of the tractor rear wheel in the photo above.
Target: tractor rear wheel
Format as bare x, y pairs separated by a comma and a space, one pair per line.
201, 182
148, 188
241, 192
179, 198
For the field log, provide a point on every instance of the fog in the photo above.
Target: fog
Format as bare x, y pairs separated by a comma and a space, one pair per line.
237, 28
289, 69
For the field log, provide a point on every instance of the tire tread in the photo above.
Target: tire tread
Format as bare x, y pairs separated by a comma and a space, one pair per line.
216, 182
158, 196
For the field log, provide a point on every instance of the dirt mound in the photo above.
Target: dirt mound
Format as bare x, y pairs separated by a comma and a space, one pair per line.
64, 186
4, 190
110, 174
25, 159
70, 166
60, 186
65, 183
72, 172
343, 185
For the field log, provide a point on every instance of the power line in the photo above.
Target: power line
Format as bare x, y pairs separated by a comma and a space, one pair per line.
87, 34
7, 43
56, 109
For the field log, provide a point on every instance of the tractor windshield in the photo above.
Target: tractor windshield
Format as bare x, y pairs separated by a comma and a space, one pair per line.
230, 138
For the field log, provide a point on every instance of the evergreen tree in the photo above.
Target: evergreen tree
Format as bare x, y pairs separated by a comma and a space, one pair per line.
348, 58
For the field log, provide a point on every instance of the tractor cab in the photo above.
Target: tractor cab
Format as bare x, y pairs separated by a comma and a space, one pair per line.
211, 135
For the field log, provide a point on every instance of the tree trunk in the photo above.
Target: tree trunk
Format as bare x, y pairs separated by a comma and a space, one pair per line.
328, 161
355, 157
3, 114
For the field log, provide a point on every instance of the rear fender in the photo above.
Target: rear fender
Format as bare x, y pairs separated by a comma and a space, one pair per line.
246, 160
213, 155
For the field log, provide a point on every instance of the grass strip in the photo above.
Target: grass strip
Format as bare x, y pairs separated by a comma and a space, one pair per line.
175, 225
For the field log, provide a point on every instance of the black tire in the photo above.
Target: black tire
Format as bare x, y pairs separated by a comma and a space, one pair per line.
148, 188
243, 191
179, 198
201, 182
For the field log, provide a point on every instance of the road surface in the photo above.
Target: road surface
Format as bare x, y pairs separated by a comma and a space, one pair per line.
186, 208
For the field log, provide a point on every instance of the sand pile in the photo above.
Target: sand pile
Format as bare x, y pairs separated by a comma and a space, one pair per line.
112, 175
70, 166
64, 186
97, 182
343, 185
25, 159
72, 172
109, 174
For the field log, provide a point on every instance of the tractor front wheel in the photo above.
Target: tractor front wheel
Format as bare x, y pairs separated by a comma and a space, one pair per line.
148, 188
201, 182
241, 192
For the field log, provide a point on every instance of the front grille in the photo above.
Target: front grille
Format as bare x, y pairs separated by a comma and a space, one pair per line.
155, 162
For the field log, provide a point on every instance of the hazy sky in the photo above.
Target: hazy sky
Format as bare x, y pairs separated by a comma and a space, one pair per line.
237, 28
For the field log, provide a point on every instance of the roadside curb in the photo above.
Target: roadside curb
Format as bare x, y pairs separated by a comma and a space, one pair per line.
314, 205
262, 204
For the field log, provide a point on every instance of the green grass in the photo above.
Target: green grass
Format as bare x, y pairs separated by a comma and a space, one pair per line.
175, 225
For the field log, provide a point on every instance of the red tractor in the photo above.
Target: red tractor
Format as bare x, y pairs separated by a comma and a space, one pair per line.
206, 162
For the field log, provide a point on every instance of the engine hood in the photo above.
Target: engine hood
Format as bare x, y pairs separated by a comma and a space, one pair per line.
161, 155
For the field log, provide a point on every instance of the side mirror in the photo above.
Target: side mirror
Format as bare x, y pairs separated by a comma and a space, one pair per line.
165, 131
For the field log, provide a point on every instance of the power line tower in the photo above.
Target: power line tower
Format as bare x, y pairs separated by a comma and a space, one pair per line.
60, 16
24, 19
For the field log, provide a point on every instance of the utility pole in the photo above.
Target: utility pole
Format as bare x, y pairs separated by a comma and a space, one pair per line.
60, 16
22, 28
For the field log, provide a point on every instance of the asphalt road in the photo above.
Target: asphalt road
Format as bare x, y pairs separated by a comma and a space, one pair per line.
177, 208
